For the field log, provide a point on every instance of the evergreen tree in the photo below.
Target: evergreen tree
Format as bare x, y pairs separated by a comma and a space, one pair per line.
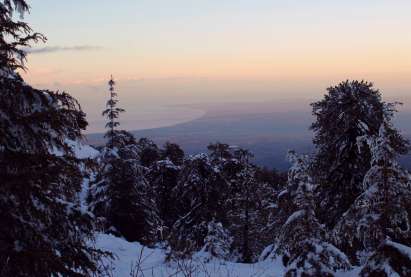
198, 204
302, 240
348, 111
120, 195
243, 210
164, 177
173, 152
112, 113
383, 210
149, 153
219, 151
390, 259
43, 231
217, 243
14, 36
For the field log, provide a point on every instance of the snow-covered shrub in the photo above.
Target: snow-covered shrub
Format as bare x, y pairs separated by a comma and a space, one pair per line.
217, 243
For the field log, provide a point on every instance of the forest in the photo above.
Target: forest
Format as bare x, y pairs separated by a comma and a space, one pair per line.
345, 206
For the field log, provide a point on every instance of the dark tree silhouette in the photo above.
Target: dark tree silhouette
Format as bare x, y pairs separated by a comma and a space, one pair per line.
350, 110
15, 36
112, 113
43, 230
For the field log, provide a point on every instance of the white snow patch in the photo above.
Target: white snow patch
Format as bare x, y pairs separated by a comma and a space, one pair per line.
127, 255
80, 150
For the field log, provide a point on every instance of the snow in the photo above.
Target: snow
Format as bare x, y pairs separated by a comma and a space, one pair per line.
294, 216
405, 250
127, 255
81, 151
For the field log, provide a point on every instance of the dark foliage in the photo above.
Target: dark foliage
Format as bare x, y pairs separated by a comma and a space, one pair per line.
43, 230
390, 259
350, 110
15, 36
120, 195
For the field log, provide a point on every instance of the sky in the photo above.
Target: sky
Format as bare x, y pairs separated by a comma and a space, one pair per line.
166, 52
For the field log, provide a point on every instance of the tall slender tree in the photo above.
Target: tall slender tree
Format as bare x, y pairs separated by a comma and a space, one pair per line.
112, 113
120, 194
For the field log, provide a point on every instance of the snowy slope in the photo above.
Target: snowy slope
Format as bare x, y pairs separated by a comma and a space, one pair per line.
153, 262
127, 254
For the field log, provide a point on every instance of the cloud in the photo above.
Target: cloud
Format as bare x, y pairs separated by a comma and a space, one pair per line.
54, 49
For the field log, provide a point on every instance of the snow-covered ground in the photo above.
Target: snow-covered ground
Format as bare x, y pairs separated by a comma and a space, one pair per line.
132, 256
152, 262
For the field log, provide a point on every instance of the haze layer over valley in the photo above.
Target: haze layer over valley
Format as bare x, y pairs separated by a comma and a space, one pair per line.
268, 129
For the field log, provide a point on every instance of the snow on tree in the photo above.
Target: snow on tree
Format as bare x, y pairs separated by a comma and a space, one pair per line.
302, 240
244, 203
43, 230
112, 113
350, 110
383, 210
390, 259
199, 202
120, 194
163, 177
217, 243
43, 226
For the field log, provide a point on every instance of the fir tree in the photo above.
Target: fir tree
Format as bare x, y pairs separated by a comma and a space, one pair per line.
112, 113
244, 202
217, 243
197, 205
173, 152
164, 177
302, 240
43, 231
15, 36
120, 194
149, 152
383, 210
348, 111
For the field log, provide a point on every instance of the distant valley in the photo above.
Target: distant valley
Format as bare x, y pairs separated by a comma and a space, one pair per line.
267, 130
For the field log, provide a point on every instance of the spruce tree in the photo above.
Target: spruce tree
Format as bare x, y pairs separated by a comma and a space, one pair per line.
350, 110
163, 177
44, 231
217, 243
198, 204
15, 36
383, 210
302, 242
120, 194
149, 153
243, 209
112, 113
